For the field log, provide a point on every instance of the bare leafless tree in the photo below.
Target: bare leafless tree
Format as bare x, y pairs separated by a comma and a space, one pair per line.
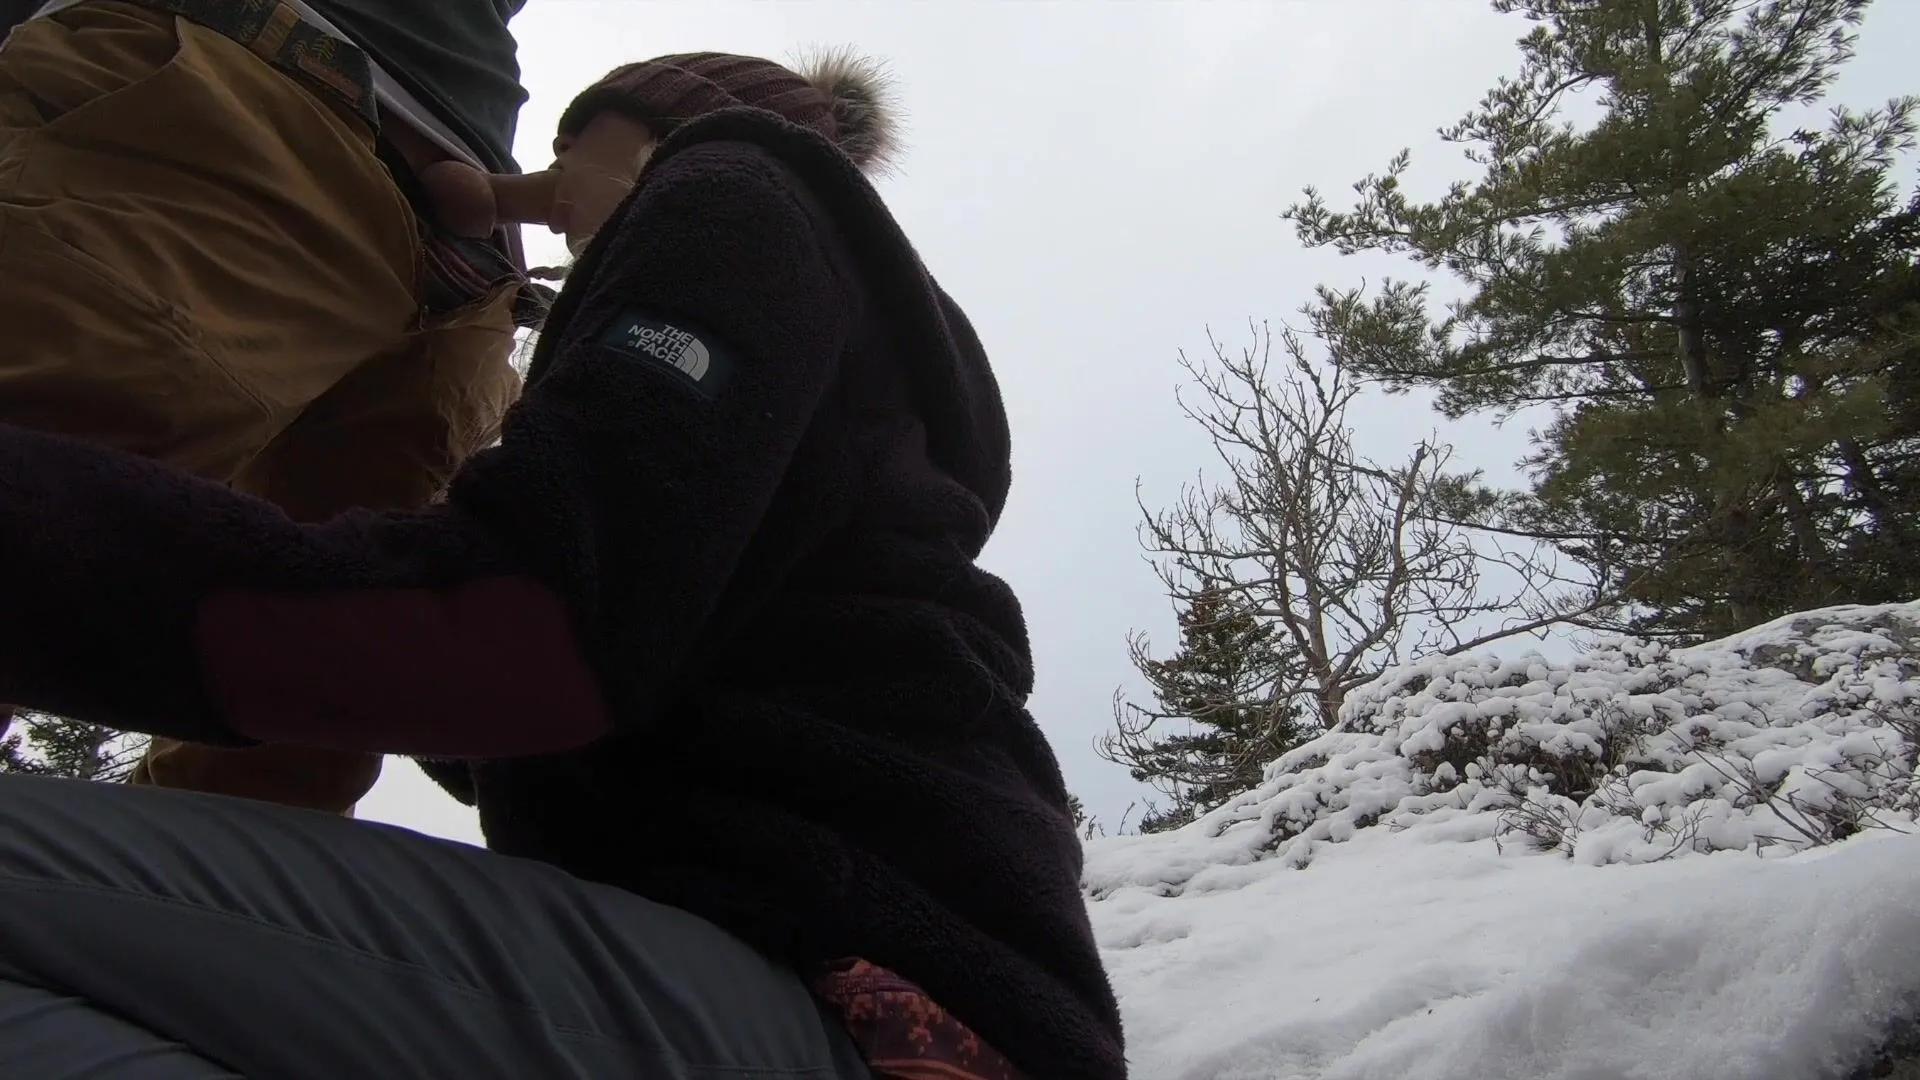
1358, 565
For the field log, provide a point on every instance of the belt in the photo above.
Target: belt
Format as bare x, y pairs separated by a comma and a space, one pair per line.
278, 33
300, 43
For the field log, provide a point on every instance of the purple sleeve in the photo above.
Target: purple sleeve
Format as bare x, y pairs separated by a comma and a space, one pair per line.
154, 601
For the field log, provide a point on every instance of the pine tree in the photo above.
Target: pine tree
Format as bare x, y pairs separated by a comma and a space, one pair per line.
1718, 316
1220, 684
45, 745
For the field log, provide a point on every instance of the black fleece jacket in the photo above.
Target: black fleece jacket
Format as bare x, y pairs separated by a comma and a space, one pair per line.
705, 625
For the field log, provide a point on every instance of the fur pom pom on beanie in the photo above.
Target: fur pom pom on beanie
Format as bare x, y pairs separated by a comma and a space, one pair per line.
844, 96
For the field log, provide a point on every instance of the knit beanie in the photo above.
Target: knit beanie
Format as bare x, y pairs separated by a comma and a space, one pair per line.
841, 95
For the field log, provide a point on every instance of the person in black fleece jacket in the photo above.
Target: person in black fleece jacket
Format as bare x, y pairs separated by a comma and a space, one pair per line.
706, 624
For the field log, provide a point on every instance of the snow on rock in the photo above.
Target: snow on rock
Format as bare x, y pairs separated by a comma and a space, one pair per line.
1393, 960
1789, 736
1382, 906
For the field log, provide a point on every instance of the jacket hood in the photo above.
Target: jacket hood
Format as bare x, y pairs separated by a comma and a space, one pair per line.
955, 392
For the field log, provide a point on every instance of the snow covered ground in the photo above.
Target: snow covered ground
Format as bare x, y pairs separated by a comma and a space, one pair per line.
1726, 884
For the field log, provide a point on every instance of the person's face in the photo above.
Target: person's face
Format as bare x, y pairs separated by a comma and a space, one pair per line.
597, 169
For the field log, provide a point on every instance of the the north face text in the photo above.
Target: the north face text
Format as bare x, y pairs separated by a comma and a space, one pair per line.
644, 337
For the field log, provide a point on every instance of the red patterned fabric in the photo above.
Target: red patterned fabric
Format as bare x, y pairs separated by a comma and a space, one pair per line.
902, 1033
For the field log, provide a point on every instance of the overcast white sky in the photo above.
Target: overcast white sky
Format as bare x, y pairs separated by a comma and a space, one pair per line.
1097, 182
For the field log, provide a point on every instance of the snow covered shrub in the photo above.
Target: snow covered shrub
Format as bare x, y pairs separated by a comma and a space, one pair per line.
1792, 735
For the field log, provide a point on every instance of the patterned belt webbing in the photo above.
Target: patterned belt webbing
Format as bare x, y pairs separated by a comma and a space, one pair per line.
459, 270
277, 34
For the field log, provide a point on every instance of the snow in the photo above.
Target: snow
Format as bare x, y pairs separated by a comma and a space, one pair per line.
1726, 883
1396, 958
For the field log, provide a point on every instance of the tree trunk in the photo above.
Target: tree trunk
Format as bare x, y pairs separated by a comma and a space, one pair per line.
1813, 548
1865, 483
1692, 343
90, 763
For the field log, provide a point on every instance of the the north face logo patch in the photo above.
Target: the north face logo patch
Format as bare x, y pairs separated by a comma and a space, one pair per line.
645, 337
